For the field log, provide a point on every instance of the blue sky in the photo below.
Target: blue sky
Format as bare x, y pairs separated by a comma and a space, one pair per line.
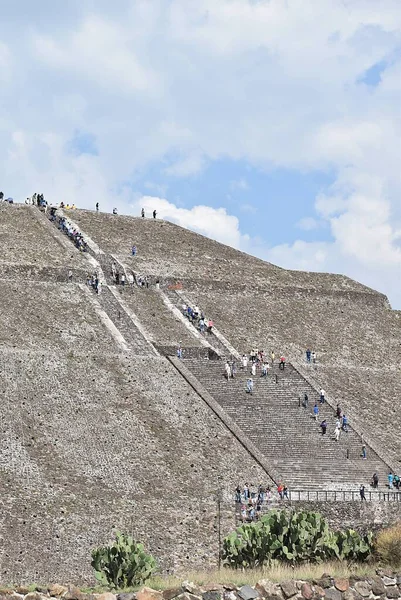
271, 126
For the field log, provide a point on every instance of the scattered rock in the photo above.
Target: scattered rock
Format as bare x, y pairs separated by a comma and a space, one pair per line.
392, 591
214, 587
363, 588
171, 593
376, 585
127, 596
24, 590
288, 588
307, 591
191, 588
230, 595
147, 593
267, 589
211, 595
333, 594
106, 596
389, 580
324, 582
246, 592
351, 595
73, 593
37, 596
342, 585
57, 590
319, 591
187, 596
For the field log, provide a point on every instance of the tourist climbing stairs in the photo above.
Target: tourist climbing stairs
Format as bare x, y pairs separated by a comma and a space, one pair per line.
275, 421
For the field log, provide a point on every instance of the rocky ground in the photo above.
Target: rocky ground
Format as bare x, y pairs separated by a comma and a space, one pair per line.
383, 584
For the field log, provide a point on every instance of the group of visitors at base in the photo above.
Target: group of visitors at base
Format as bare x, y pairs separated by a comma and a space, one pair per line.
252, 500
198, 318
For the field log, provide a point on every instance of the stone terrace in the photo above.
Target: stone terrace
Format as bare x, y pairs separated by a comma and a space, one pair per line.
50, 317
171, 252
29, 246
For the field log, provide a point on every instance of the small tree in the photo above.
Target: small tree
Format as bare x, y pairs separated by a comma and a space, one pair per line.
123, 563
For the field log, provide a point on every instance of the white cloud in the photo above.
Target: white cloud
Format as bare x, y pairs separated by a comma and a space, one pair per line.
215, 223
308, 223
175, 86
239, 184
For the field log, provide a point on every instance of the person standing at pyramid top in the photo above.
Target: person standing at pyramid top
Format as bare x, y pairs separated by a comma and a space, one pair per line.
143, 213
154, 214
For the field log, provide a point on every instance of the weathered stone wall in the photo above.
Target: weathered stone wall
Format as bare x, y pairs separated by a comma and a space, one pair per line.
362, 516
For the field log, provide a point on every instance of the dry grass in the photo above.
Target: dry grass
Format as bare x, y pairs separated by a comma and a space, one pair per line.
252, 576
388, 545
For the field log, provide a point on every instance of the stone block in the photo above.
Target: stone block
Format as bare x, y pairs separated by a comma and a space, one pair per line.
324, 582
392, 591
37, 596
246, 592
211, 595
342, 585
288, 588
106, 596
267, 588
363, 588
191, 588
73, 593
171, 593
376, 585
307, 591
319, 592
126, 596
389, 580
333, 594
147, 593
56, 590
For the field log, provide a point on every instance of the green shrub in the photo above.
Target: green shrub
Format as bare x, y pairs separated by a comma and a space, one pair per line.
388, 545
292, 538
123, 563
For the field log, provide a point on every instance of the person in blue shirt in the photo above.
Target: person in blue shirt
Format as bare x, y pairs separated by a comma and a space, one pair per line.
316, 411
390, 478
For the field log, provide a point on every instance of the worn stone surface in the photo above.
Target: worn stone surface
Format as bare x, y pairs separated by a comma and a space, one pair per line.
246, 592
288, 588
146, 593
333, 594
171, 593
392, 591
267, 588
129, 596
377, 585
341, 585
57, 590
211, 595
307, 591
363, 588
